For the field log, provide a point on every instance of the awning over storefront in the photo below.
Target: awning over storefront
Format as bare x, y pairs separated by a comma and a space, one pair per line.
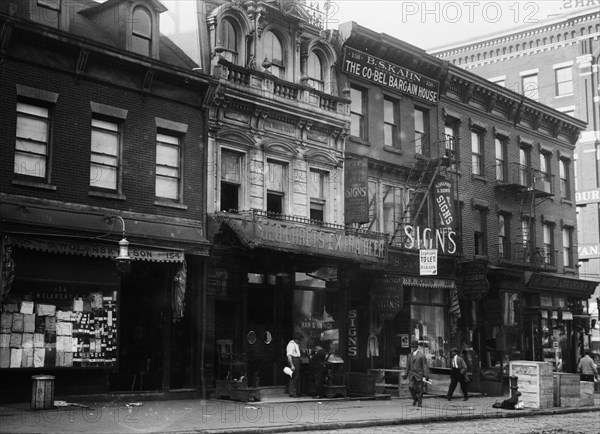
427, 282
302, 236
98, 250
558, 283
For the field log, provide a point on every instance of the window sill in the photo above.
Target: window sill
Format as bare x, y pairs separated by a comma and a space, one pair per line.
478, 178
34, 184
107, 195
567, 201
481, 256
168, 204
570, 270
359, 140
565, 95
392, 150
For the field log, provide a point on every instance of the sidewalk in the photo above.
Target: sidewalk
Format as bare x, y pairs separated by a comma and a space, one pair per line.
267, 416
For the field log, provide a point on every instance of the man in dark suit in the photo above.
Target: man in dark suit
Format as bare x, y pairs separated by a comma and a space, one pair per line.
458, 374
416, 371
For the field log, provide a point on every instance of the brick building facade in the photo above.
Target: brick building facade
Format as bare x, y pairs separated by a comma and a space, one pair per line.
554, 62
102, 138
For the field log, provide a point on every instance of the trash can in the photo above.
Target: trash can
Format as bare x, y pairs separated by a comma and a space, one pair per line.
42, 392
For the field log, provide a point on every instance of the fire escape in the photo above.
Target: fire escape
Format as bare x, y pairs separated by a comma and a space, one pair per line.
420, 177
531, 187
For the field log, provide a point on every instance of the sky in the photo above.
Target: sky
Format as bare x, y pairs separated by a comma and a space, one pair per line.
427, 24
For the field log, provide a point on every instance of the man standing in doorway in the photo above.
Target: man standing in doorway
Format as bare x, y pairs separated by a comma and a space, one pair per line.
458, 374
416, 371
293, 355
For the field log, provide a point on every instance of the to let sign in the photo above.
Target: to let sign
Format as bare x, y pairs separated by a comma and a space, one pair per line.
428, 262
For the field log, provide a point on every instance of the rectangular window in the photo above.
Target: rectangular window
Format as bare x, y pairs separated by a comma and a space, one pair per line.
545, 167
390, 123
477, 152
500, 159
563, 168
231, 180
105, 154
357, 112
32, 141
525, 166
394, 201
275, 181
503, 227
567, 235
525, 234
548, 253
317, 193
373, 206
168, 166
530, 87
421, 132
451, 141
479, 228
564, 81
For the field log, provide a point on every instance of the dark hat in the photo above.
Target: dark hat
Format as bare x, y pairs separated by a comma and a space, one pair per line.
454, 349
414, 344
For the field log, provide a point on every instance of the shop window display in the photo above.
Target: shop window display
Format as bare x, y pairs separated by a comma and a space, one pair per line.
428, 323
315, 317
53, 325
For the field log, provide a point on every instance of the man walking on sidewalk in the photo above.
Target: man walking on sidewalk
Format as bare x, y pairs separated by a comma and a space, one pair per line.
458, 374
416, 371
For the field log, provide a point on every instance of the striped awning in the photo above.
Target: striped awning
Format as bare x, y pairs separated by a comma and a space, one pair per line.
97, 250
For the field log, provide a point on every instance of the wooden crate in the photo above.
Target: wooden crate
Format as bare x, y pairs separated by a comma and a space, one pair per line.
566, 390
586, 391
535, 382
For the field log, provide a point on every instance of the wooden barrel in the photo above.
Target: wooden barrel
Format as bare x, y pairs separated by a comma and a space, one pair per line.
42, 392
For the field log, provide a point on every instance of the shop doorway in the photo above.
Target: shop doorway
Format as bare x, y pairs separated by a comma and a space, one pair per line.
142, 313
264, 335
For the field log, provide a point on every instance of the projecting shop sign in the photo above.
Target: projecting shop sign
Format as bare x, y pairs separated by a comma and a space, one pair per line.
384, 73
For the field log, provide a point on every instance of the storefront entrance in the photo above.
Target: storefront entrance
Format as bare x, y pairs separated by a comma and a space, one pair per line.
265, 335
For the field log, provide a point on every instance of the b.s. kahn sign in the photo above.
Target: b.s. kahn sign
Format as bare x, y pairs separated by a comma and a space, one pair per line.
379, 71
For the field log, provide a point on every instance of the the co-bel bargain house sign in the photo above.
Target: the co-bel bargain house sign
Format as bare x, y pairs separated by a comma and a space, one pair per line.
384, 73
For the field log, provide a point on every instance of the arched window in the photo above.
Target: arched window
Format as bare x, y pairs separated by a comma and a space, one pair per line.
228, 40
315, 71
141, 32
228, 36
274, 53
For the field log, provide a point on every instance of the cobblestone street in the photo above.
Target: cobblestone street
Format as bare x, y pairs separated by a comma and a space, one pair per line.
578, 423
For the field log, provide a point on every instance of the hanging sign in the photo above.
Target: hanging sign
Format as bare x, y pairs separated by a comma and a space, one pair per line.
474, 283
352, 333
356, 181
386, 296
444, 201
428, 262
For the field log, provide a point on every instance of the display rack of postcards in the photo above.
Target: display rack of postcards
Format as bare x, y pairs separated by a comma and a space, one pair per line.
78, 331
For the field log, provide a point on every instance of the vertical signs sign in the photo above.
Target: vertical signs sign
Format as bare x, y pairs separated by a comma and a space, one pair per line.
444, 201
356, 204
353, 333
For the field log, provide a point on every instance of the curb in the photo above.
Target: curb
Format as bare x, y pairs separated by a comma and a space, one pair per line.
396, 421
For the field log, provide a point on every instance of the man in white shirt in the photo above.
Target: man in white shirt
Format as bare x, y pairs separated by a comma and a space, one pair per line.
458, 374
292, 352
